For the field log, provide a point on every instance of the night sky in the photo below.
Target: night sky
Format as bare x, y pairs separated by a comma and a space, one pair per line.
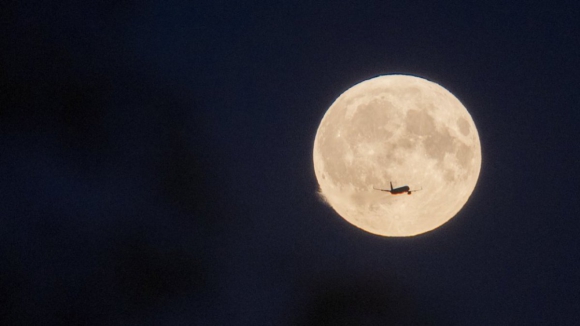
156, 164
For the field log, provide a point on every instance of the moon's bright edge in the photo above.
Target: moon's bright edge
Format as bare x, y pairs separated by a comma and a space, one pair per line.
403, 129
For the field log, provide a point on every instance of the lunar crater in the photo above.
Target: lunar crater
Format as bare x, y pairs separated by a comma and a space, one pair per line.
463, 126
419, 123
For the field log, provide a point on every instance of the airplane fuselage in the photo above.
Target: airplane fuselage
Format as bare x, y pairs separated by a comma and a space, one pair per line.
400, 190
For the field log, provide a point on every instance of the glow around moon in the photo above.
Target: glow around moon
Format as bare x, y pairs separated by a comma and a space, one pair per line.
402, 129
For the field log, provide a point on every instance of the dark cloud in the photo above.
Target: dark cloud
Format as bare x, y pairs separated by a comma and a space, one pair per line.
368, 300
148, 277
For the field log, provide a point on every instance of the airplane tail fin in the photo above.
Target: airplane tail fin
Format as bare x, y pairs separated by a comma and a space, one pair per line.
391, 185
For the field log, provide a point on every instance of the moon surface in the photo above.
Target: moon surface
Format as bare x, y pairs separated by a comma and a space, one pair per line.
403, 129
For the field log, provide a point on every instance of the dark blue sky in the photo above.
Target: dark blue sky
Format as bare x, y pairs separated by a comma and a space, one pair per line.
156, 164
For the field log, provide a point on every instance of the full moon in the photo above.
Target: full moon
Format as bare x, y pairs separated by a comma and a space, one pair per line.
400, 129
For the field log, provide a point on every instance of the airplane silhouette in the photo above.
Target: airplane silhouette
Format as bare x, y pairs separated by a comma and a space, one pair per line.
398, 191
